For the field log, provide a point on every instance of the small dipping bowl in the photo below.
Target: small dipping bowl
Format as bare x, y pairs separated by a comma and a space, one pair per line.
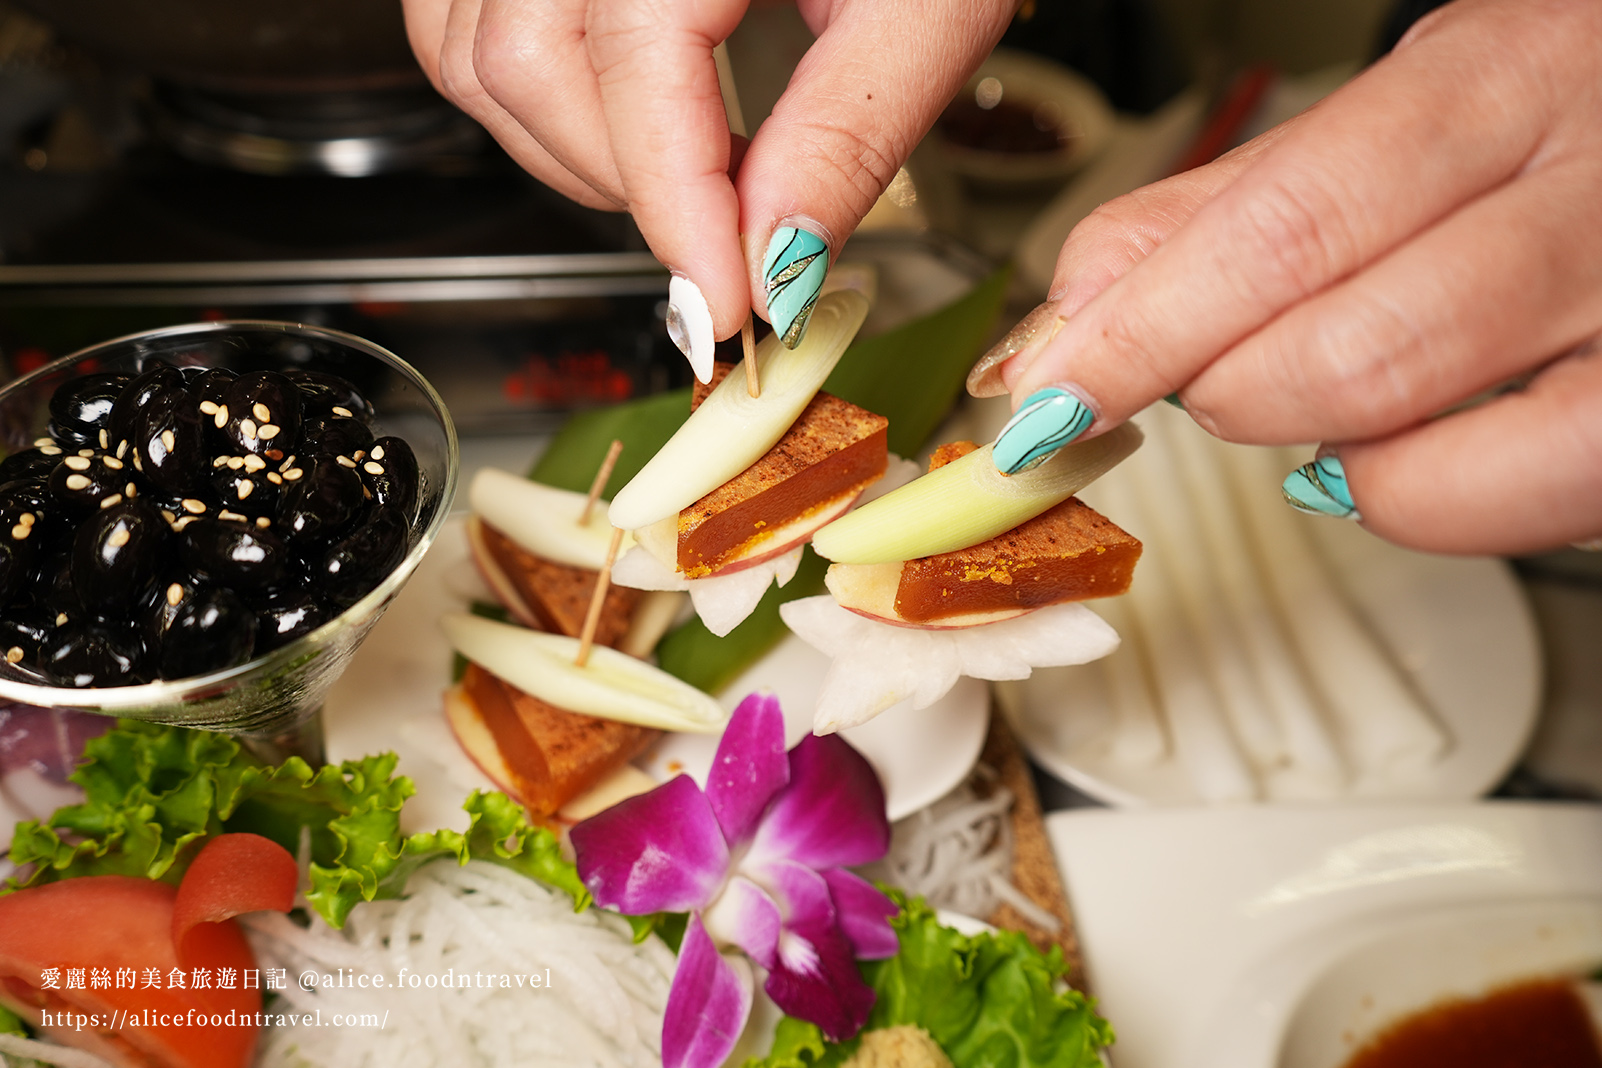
273, 701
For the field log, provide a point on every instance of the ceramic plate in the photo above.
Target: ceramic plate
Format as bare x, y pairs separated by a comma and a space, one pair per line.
390, 698
1283, 937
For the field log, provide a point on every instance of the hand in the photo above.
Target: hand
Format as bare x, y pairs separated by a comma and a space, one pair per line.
1428, 233
616, 104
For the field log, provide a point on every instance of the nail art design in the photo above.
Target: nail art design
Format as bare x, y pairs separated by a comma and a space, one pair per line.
793, 273
1049, 419
1032, 332
1319, 488
689, 325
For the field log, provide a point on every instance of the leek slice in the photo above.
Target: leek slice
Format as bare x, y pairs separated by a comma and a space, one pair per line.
543, 519
731, 430
612, 685
968, 501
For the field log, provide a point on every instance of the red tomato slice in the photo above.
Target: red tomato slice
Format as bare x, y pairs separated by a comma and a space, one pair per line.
232, 875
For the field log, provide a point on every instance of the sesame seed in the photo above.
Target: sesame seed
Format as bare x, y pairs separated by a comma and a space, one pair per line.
76, 463
122, 448
139, 465
293, 473
344, 413
119, 537
42, 442
61, 618
263, 522
175, 593
77, 482
378, 452
346, 461
262, 412
231, 515
179, 526
275, 478
245, 487
273, 454
105, 439
235, 463
27, 519
372, 468
14, 654
208, 407
219, 461
111, 502
254, 463
367, 493
221, 418
168, 516
247, 429
86, 452
112, 462
268, 431
20, 531
358, 454
131, 490
50, 450
192, 505
287, 464
168, 441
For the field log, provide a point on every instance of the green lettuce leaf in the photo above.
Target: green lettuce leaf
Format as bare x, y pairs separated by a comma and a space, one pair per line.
989, 1001
153, 795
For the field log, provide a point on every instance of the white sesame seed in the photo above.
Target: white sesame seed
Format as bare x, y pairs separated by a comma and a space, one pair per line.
254, 463
342, 412
42, 442
219, 461
378, 452
175, 593
221, 418
50, 450
122, 448
263, 522
192, 505
208, 407
61, 617
247, 429
77, 482
139, 465
346, 461
105, 439
86, 452
168, 516
268, 431
168, 440
131, 490
231, 515
76, 463
262, 412
119, 537
20, 531
235, 463
112, 462
14, 654
245, 487
372, 468
111, 502
287, 464
179, 526
27, 519
292, 474
275, 478
358, 454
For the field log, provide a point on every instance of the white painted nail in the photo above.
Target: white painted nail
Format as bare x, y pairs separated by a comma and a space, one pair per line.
689, 324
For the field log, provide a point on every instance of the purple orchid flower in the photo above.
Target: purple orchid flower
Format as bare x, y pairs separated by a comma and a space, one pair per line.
759, 858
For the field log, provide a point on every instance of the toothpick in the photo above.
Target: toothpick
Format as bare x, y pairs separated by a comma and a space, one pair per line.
748, 342
592, 618
600, 481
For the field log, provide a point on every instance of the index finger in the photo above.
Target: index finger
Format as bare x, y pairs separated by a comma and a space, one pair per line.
670, 139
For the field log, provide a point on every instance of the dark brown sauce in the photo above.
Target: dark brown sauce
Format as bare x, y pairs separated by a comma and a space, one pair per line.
1540, 1024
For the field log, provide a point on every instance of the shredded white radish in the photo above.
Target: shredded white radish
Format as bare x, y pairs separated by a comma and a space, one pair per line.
603, 1006
878, 664
48, 1053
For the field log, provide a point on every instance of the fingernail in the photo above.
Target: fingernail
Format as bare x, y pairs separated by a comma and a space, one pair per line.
1031, 334
689, 325
1049, 419
1319, 488
792, 274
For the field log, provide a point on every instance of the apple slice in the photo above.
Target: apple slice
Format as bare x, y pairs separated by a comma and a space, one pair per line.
731, 430
968, 501
542, 519
613, 685
474, 736
870, 590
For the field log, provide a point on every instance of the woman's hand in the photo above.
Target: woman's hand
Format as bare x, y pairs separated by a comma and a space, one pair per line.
616, 104
1430, 232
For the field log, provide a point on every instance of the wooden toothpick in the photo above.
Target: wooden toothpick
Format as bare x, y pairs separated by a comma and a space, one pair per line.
601, 477
748, 342
592, 618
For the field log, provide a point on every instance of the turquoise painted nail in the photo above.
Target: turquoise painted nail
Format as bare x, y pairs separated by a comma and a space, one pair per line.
1319, 488
793, 272
1049, 419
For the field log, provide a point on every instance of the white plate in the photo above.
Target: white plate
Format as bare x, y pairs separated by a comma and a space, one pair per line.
390, 699
1457, 630
1250, 937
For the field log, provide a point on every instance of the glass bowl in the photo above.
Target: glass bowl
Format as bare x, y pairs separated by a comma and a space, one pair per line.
273, 700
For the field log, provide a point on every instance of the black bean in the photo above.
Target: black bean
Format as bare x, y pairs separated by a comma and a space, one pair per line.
210, 630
